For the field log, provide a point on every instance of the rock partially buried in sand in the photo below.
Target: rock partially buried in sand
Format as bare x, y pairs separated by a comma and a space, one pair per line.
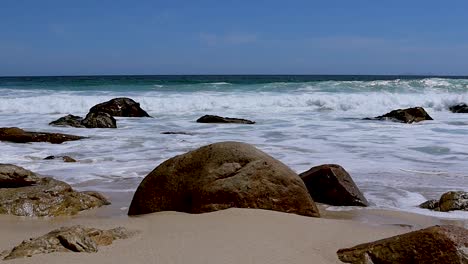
408, 115
43, 196
17, 135
12, 176
459, 108
449, 201
67, 239
64, 158
221, 176
124, 107
437, 244
99, 120
331, 184
68, 120
219, 119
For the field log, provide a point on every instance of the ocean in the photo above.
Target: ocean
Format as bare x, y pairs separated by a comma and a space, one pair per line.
303, 121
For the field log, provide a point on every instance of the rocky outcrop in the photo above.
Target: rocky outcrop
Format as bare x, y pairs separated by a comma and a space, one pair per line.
459, 108
221, 176
64, 158
99, 120
331, 184
408, 115
69, 120
67, 239
437, 244
219, 119
449, 201
125, 107
17, 135
12, 176
36, 196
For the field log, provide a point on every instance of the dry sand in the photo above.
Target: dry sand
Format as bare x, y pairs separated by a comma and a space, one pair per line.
229, 236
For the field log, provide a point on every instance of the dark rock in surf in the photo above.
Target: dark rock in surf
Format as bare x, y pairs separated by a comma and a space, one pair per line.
99, 120
221, 176
69, 120
177, 133
436, 244
459, 108
124, 107
17, 135
23, 193
331, 184
408, 115
431, 204
67, 239
64, 158
449, 201
219, 119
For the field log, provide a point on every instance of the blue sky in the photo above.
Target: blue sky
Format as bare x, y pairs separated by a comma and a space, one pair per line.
83, 37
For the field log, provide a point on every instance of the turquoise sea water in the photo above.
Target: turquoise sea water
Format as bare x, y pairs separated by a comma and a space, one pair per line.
302, 120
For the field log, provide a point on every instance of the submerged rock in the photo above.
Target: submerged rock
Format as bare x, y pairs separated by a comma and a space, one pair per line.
459, 108
437, 244
17, 135
331, 184
12, 176
69, 120
30, 195
99, 120
408, 115
431, 204
64, 158
219, 119
124, 107
67, 239
221, 176
449, 201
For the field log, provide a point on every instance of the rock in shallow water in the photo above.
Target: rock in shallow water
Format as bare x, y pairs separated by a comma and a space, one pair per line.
68, 120
43, 196
17, 135
449, 201
221, 176
437, 244
67, 239
99, 120
219, 119
12, 176
64, 158
459, 108
331, 184
124, 107
408, 115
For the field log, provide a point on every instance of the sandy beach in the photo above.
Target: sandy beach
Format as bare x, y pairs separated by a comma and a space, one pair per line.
227, 236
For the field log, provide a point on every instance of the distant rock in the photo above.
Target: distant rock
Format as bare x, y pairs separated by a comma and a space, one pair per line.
26, 194
331, 184
64, 158
68, 120
449, 201
67, 239
437, 244
124, 107
221, 176
17, 135
99, 120
408, 115
12, 176
219, 119
459, 108
177, 133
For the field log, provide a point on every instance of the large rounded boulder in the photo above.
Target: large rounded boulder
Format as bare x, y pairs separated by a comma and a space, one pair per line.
408, 115
125, 107
221, 176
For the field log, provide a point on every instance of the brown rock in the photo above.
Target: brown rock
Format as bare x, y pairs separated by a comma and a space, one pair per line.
331, 184
219, 119
120, 107
47, 197
221, 176
437, 244
99, 120
451, 201
12, 176
431, 204
408, 115
64, 158
17, 135
68, 239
